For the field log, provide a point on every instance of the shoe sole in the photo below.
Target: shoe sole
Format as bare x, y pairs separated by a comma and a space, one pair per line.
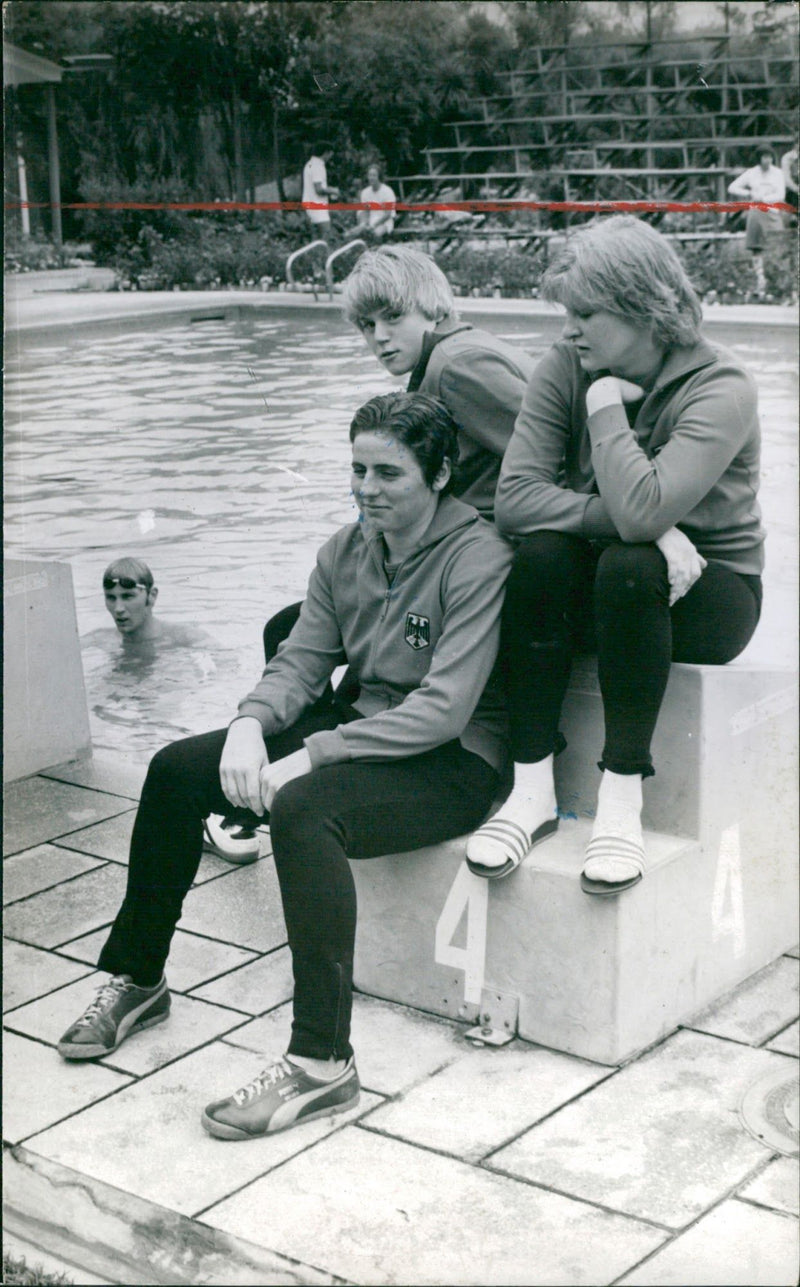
541, 833
222, 1131
607, 888
97, 1052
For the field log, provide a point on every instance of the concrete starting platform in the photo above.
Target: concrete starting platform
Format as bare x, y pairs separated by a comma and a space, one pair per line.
603, 978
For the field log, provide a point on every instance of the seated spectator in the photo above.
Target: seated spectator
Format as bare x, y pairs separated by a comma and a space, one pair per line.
378, 223
410, 597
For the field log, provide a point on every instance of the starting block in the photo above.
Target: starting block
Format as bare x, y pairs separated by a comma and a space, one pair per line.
603, 978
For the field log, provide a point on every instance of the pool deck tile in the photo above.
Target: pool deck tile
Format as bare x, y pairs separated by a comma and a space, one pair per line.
736, 1244
69, 909
758, 1009
459, 1165
111, 840
788, 1041
36, 810
33, 870
192, 960
30, 972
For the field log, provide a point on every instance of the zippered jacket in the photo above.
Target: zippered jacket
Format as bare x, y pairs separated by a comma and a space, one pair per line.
423, 648
688, 458
481, 380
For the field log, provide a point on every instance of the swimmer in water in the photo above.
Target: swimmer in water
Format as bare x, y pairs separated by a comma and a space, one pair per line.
130, 595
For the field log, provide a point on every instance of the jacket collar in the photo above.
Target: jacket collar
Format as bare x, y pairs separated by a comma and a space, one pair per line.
451, 514
442, 330
682, 360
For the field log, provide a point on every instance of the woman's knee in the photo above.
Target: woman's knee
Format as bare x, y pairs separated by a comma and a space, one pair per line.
629, 575
297, 817
544, 563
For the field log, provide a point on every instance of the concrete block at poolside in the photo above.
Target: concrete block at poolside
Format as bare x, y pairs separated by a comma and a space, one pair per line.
603, 978
598, 978
46, 720
726, 738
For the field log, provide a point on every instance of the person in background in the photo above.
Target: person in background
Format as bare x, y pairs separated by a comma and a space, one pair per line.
763, 182
378, 223
409, 596
317, 190
630, 485
791, 174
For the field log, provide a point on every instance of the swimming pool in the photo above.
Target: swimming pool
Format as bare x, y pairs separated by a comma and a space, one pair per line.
217, 451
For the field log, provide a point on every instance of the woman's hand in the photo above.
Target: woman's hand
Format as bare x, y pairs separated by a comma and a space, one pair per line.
684, 564
611, 391
274, 776
243, 757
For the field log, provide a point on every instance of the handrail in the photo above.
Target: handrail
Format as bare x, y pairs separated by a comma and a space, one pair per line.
357, 241
312, 245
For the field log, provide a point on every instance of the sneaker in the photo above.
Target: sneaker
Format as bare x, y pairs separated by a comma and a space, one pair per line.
119, 1009
228, 839
281, 1096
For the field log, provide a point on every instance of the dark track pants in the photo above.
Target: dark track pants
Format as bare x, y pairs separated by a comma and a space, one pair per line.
566, 594
351, 810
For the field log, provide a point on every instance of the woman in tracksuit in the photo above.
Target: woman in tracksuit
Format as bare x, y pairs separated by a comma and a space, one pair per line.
409, 597
631, 485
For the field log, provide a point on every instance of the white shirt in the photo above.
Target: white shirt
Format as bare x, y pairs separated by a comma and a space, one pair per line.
314, 172
760, 185
384, 196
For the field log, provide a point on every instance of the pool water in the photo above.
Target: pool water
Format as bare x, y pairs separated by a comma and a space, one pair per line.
218, 452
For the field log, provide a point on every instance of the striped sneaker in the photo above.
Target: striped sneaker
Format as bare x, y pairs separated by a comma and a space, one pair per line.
119, 1009
281, 1096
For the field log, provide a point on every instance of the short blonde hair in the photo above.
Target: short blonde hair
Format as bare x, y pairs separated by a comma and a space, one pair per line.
397, 279
622, 265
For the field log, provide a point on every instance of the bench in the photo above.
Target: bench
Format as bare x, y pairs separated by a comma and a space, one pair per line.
605, 978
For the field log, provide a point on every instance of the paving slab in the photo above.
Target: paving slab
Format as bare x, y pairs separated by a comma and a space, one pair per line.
40, 868
38, 809
262, 985
69, 910
795, 952
27, 1071
788, 1041
149, 1141
395, 1047
758, 1008
191, 1024
507, 1090
192, 960
103, 773
736, 1245
111, 839
377, 1210
244, 908
777, 1187
28, 972
661, 1139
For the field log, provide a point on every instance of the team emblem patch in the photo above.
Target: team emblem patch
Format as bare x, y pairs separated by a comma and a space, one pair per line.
418, 631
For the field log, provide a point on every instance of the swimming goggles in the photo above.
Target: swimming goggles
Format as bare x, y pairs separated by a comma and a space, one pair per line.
124, 583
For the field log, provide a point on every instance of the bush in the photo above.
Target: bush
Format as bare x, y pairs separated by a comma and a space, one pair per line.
33, 254
512, 273
211, 252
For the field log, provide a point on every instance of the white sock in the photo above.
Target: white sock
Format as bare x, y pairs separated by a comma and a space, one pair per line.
619, 815
319, 1069
531, 803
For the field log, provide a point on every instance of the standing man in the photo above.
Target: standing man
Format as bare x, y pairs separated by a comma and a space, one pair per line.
379, 223
316, 190
763, 182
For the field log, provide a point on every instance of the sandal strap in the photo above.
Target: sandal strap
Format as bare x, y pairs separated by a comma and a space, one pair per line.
514, 838
618, 847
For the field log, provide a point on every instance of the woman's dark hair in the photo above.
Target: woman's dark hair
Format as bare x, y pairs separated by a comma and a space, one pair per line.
422, 424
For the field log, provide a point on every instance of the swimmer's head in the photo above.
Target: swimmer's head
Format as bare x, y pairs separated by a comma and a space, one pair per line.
130, 594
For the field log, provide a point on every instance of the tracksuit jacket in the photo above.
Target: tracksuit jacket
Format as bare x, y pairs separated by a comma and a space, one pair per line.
481, 381
423, 648
686, 456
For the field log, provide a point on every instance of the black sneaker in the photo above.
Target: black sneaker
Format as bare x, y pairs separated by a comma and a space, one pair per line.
281, 1096
119, 1009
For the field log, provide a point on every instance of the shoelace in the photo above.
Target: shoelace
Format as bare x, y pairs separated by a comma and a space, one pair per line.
106, 996
278, 1071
